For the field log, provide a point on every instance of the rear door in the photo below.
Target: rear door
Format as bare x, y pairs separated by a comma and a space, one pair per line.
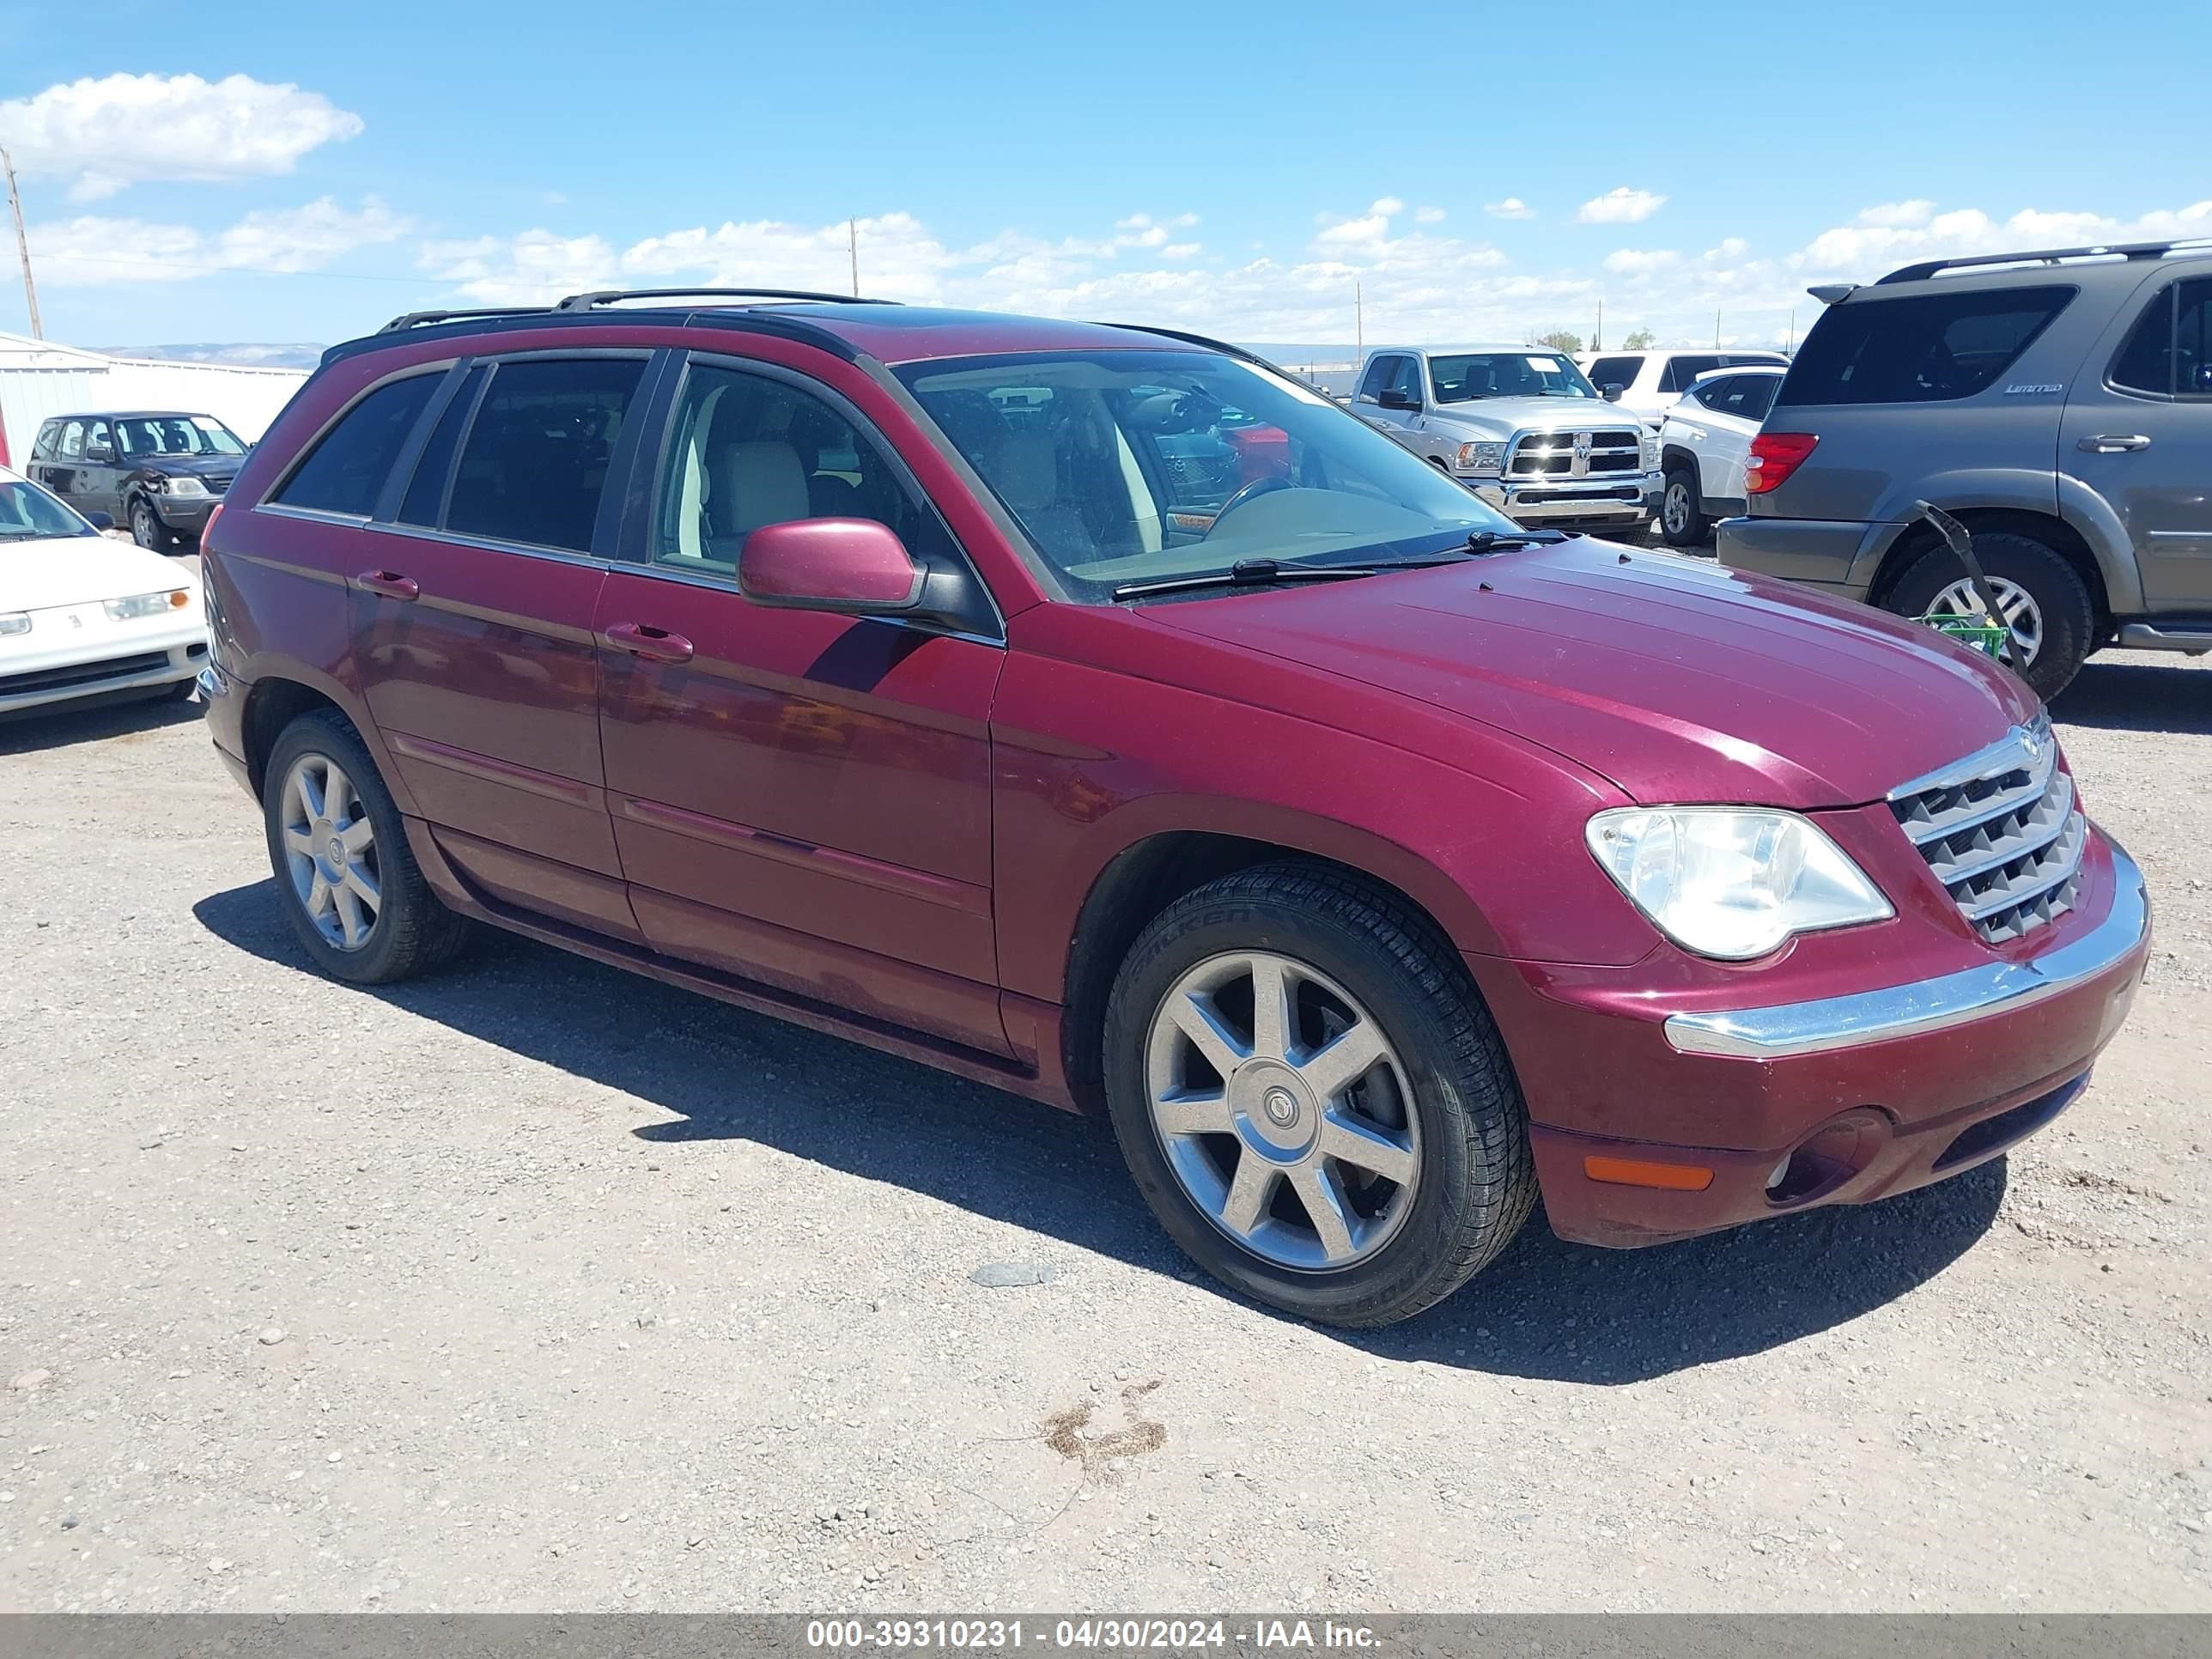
470, 604
1732, 407
2138, 432
801, 799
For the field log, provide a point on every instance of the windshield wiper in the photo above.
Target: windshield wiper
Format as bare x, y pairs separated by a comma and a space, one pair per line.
1491, 541
1246, 572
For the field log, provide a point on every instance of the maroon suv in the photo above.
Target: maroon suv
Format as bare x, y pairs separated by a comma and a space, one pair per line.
1103, 714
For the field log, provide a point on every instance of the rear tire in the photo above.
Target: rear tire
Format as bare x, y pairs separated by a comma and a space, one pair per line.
1440, 1103
1682, 517
2065, 616
352, 831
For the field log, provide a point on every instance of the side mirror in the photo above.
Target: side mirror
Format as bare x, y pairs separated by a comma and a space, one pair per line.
853, 566
99, 454
1613, 391
100, 520
1395, 399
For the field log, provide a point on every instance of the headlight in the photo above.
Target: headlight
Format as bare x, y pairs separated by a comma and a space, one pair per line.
1480, 458
149, 604
16, 622
183, 486
1648, 442
1729, 882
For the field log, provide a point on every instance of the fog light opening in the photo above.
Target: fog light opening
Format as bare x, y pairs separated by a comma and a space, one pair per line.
1828, 1158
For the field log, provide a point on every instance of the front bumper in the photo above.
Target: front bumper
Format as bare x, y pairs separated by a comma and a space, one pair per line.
1840, 1101
188, 515
1621, 499
64, 660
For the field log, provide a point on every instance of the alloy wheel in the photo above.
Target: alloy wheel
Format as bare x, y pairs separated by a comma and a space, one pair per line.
330, 849
144, 529
2021, 614
1284, 1112
1676, 511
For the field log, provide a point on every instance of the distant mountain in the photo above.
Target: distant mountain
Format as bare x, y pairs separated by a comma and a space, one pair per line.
242, 356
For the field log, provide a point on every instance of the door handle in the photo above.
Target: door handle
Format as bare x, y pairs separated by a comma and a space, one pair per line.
2113, 443
654, 644
389, 583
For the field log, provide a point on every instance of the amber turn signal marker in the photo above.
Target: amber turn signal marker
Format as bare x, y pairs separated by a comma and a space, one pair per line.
179, 600
1634, 1172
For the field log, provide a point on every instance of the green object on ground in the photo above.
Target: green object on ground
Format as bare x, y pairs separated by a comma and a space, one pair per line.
1981, 636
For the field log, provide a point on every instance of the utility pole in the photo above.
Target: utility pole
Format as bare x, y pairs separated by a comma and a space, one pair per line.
1597, 334
1717, 326
1359, 322
22, 246
853, 247
1790, 350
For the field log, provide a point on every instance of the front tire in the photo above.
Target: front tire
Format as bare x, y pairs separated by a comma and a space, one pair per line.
345, 874
146, 528
1682, 517
1313, 1099
2046, 601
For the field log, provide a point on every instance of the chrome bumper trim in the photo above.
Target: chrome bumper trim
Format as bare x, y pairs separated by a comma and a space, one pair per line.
211, 682
1929, 1005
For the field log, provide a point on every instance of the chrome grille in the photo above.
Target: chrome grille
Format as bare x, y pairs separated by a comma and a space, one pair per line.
2002, 832
1546, 455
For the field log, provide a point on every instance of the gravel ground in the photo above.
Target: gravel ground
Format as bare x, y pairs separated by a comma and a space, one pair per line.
538, 1286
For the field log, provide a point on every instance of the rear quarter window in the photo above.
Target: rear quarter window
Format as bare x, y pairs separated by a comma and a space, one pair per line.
1924, 348
346, 468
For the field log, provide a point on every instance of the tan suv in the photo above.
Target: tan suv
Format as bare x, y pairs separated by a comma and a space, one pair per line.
2059, 402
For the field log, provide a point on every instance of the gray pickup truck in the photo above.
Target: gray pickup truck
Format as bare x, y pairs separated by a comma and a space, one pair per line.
1521, 426
2058, 403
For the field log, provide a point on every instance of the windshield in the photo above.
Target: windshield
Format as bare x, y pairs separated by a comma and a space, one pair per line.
147, 436
27, 511
1128, 466
1463, 378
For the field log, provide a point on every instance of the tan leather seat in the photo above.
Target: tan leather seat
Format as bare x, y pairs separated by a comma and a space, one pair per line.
1025, 471
751, 484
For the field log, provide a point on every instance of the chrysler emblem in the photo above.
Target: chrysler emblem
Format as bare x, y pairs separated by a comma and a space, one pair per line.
2031, 743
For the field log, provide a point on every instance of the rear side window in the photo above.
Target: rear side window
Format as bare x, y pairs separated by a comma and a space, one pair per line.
72, 441
535, 462
1615, 371
1930, 348
346, 468
2166, 353
1682, 372
425, 501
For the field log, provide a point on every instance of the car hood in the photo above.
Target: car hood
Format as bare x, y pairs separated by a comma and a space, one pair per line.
193, 466
1502, 417
1678, 680
58, 570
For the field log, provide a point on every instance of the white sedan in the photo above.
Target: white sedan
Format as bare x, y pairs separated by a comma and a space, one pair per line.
84, 616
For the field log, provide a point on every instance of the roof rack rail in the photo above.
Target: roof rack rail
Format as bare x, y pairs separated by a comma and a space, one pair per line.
2050, 256
607, 295
425, 318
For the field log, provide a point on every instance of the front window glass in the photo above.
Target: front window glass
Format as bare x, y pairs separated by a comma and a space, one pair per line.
1134, 466
145, 436
749, 451
1463, 378
27, 511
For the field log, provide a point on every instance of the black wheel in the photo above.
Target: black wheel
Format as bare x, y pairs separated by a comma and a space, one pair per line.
1313, 1098
344, 872
1682, 518
146, 527
2046, 602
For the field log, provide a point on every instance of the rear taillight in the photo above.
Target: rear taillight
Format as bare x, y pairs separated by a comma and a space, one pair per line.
208, 529
1774, 457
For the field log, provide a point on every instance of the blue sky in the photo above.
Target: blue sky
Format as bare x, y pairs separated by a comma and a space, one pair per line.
298, 172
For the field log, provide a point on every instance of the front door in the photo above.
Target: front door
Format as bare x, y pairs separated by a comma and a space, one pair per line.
2139, 434
100, 472
472, 606
801, 799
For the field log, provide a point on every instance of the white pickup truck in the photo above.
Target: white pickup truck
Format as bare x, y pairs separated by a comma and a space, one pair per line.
1521, 426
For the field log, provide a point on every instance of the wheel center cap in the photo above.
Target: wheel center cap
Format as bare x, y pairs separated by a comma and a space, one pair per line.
1281, 1107
1278, 1113
336, 849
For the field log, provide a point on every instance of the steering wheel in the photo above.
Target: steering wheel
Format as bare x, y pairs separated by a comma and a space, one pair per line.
1267, 484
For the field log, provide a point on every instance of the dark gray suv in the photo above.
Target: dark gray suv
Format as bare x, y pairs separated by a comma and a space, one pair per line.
2060, 402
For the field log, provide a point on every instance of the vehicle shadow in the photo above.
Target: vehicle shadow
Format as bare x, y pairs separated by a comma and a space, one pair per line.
1545, 1309
2138, 696
119, 715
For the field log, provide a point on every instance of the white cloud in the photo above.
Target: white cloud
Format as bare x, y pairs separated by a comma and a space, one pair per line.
1641, 261
1387, 206
1511, 208
1896, 215
92, 250
1620, 206
1428, 216
130, 129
